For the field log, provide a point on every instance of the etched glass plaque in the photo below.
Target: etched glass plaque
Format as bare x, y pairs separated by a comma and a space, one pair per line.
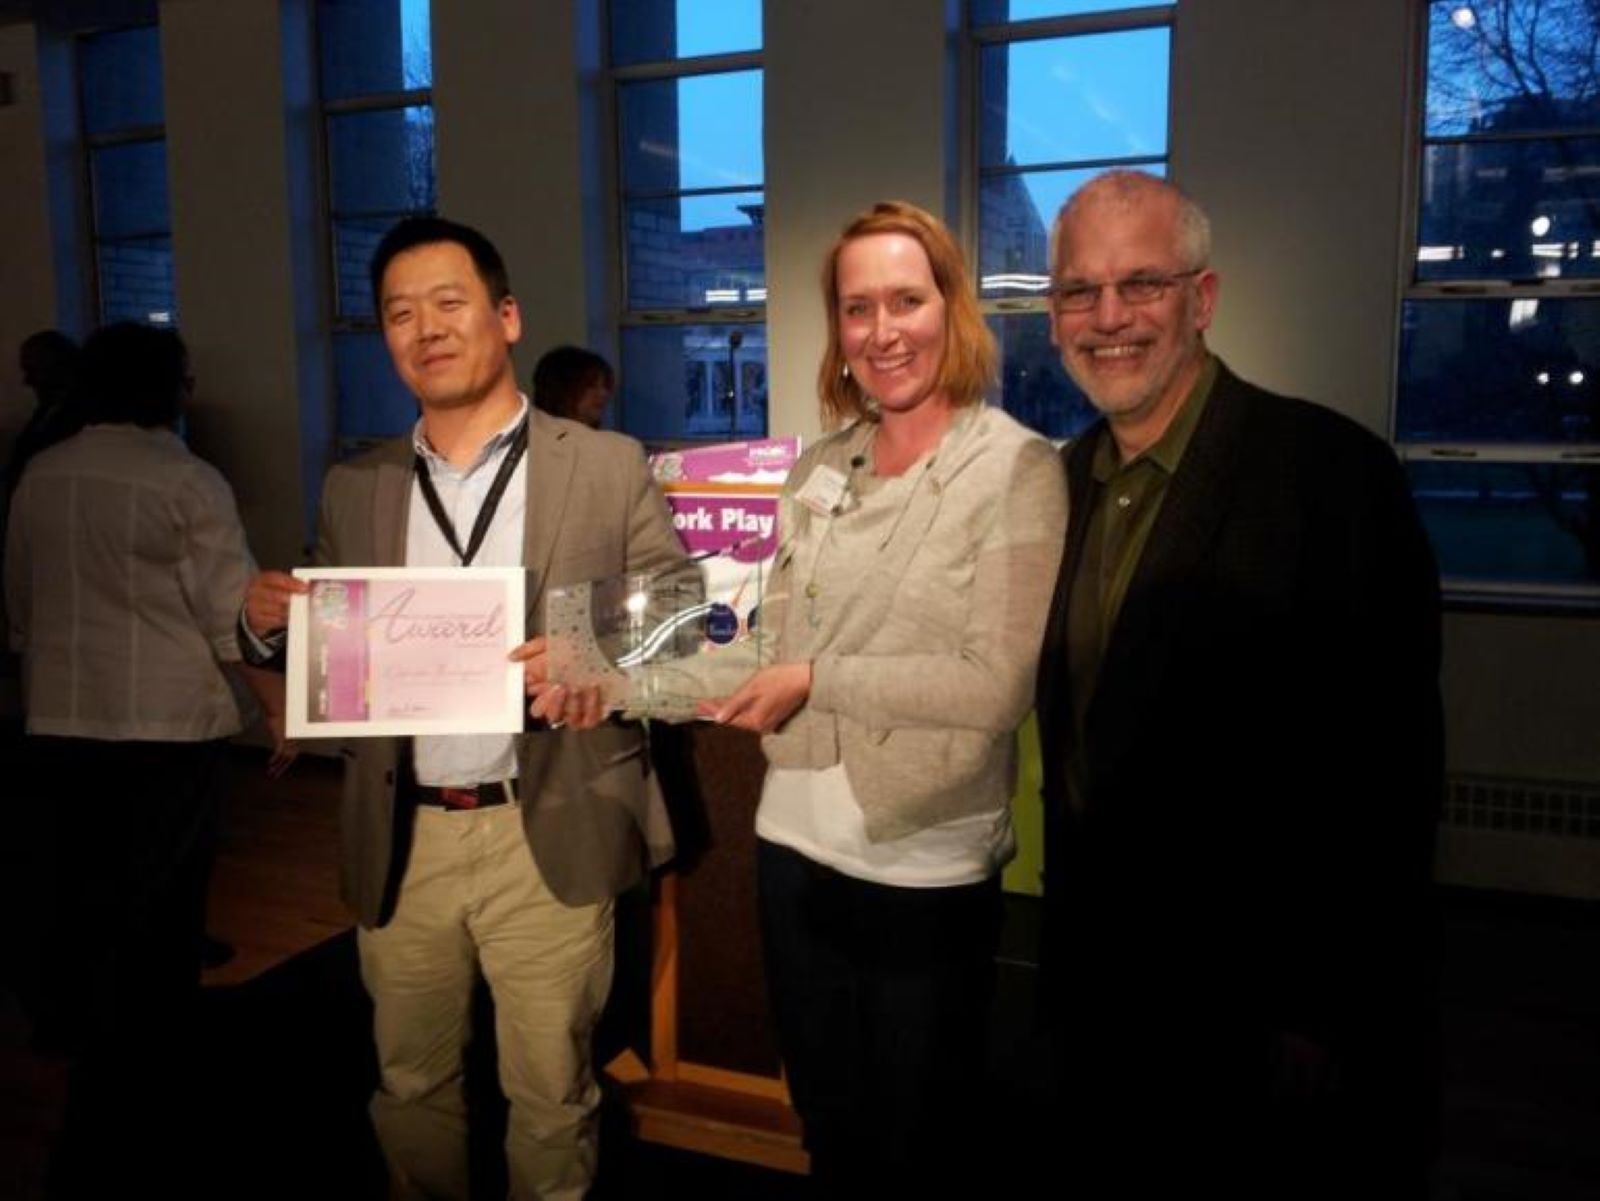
650, 643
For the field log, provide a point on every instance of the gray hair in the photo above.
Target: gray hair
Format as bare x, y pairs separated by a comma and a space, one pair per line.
1126, 189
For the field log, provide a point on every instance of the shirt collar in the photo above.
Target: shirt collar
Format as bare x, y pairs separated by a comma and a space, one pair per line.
1167, 451
492, 448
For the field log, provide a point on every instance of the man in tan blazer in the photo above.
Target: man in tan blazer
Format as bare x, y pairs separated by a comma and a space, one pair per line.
497, 851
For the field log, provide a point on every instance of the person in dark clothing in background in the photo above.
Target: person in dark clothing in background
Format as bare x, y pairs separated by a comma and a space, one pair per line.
49, 363
126, 564
575, 383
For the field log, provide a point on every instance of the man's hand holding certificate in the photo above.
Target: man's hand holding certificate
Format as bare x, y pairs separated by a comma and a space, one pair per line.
385, 651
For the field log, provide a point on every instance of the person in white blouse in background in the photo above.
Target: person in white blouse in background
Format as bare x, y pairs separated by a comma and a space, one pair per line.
126, 564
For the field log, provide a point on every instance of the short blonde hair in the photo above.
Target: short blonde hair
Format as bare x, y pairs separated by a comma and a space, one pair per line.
968, 364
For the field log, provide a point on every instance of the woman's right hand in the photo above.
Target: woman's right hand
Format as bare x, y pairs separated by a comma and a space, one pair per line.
765, 701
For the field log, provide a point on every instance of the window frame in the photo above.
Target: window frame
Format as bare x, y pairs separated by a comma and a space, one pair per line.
329, 111
338, 323
981, 38
130, 135
1462, 592
732, 316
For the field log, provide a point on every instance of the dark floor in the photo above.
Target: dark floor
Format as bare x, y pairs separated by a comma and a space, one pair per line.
1521, 1018
287, 1067
292, 1069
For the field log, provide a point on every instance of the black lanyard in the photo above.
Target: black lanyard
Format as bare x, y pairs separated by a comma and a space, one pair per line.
491, 502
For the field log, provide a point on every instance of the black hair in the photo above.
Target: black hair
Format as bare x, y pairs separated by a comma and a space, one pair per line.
562, 374
134, 375
410, 232
49, 344
49, 361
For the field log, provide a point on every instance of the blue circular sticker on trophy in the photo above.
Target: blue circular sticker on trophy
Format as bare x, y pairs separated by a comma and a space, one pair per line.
722, 624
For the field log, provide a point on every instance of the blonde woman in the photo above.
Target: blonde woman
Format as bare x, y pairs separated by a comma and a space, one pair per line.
919, 542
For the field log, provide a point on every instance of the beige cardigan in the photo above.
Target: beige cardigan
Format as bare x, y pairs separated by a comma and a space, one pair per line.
920, 681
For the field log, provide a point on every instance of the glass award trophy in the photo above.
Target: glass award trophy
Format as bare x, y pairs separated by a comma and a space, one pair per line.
656, 645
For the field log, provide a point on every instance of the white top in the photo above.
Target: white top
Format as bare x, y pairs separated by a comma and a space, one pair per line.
126, 565
451, 760
816, 814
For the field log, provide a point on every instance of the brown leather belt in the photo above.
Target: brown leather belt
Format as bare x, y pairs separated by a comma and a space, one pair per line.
477, 796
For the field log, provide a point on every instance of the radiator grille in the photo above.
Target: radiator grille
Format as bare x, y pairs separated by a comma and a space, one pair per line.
1523, 807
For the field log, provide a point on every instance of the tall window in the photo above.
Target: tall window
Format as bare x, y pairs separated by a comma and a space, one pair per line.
1498, 401
1065, 89
687, 75
376, 60
124, 136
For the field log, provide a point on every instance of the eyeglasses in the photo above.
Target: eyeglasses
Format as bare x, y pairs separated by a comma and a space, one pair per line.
1135, 290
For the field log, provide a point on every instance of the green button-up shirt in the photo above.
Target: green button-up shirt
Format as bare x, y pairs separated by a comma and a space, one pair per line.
1127, 500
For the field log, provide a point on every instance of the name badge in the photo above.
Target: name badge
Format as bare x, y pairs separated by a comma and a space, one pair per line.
824, 491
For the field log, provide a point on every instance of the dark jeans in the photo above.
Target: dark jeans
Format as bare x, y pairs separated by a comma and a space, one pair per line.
882, 1001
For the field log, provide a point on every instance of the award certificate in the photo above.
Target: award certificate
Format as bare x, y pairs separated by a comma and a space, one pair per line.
406, 650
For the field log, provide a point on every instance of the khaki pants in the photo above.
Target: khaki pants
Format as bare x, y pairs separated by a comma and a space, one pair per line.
473, 897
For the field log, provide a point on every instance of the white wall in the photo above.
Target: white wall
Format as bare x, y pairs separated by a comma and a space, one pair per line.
1290, 129
1522, 696
860, 101
510, 162
231, 238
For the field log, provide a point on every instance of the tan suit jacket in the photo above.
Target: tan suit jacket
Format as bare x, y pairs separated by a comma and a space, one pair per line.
591, 807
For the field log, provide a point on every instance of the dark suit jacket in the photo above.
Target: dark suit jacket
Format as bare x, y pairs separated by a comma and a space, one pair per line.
1262, 755
591, 807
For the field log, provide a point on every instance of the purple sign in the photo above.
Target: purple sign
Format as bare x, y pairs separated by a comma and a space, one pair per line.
742, 526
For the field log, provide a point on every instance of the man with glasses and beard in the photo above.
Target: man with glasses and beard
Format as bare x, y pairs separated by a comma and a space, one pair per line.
1239, 706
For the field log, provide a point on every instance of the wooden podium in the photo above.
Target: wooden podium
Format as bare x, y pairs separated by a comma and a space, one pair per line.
712, 1081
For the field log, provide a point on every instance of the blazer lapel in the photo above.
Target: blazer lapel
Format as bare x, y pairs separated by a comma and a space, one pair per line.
1076, 459
550, 465
1181, 539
